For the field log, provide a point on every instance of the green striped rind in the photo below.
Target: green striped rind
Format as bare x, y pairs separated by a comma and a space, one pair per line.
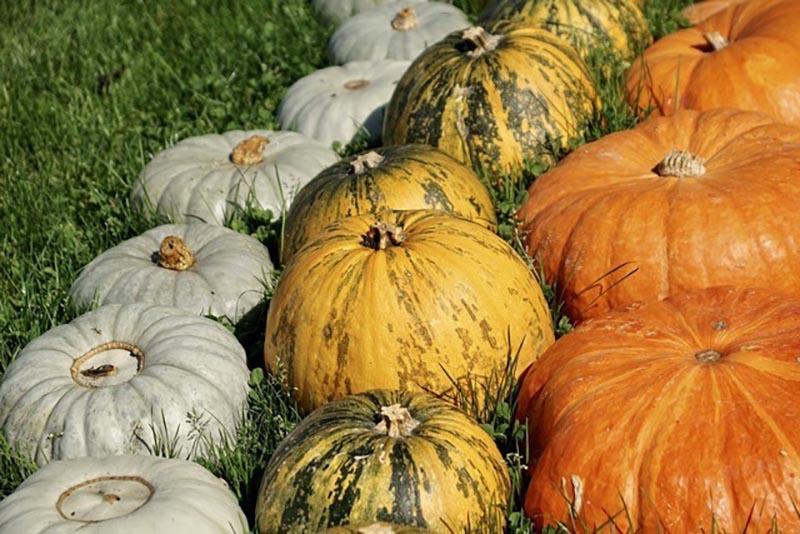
377, 528
409, 177
499, 109
619, 24
336, 469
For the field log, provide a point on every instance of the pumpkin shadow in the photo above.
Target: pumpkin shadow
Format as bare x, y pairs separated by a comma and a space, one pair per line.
250, 331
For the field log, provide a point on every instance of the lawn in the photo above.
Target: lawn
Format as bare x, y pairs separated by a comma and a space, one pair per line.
90, 91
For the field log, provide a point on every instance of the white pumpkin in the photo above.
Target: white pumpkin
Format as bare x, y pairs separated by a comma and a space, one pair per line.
122, 495
337, 11
394, 31
122, 379
201, 268
336, 103
212, 177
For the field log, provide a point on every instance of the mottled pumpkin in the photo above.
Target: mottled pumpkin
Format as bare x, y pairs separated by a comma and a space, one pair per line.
376, 528
677, 203
618, 24
745, 57
398, 457
493, 98
403, 300
686, 410
405, 177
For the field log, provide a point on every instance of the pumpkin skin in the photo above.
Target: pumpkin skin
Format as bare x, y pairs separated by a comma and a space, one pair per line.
123, 494
405, 177
493, 105
335, 104
224, 277
187, 381
637, 406
407, 458
337, 11
609, 230
684, 69
615, 23
394, 31
444, 293
376, 528
700, 11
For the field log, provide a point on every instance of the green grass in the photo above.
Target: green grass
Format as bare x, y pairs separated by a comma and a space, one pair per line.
91, 90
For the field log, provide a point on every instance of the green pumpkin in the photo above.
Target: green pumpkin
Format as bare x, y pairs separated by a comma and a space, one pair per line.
385, 456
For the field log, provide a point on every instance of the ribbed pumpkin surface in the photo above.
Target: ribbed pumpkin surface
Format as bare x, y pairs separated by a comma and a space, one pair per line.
686, 410
341, 466
492, 100
452, 297
404, 177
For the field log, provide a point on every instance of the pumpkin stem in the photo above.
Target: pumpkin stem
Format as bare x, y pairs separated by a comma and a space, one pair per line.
250, 151
174, 254
396, 421
87, 377
355, 85
681, 164
405, 20
480, 41
716, 40
79, 503
380, 235
370, 160
708, 356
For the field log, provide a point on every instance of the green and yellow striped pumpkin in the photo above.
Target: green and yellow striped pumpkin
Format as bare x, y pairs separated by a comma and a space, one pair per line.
493, 99
405, 177
403, 300
396, 457
618, 24
377, 528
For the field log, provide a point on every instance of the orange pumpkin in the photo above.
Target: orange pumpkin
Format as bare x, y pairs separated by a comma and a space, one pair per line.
703, 9
745, 57
677, 203
686, 410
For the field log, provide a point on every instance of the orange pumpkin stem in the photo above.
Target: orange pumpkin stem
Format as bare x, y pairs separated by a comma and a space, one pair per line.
405, 20
174, 254
380, 235
708, 356
396, 421
370, 160
681, 164
250, 151
716, 40
479, 40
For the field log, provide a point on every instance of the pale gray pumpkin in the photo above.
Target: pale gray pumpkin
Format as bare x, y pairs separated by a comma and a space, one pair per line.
336, 103
337, 11
122, 379
398, 30
207, 270
122, 495
213, 177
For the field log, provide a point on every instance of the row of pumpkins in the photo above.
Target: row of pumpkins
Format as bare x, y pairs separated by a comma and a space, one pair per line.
667, 415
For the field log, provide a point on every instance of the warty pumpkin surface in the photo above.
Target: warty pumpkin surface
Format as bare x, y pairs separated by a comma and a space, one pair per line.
685, 409
677, 203
618, 24
402, 300
493, 98
404, 177
745, 57
398, 457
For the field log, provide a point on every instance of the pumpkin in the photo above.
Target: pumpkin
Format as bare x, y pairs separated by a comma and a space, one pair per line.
678, 203
376, 528
399, 457
142, 494
403, 299
198, 267
212, 178
119, 379
394, 31
493, 98
743, 57
405, 177
685, 409
335, 104
696, 13
618, 24
337, 11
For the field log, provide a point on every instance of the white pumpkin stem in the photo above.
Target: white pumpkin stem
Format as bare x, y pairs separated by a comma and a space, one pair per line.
405, 20
370, 160
175, 254
716, 40
355, 85
708, 356
480, 40
681, 164
396, 421
86, 376
380, 235
250, 151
